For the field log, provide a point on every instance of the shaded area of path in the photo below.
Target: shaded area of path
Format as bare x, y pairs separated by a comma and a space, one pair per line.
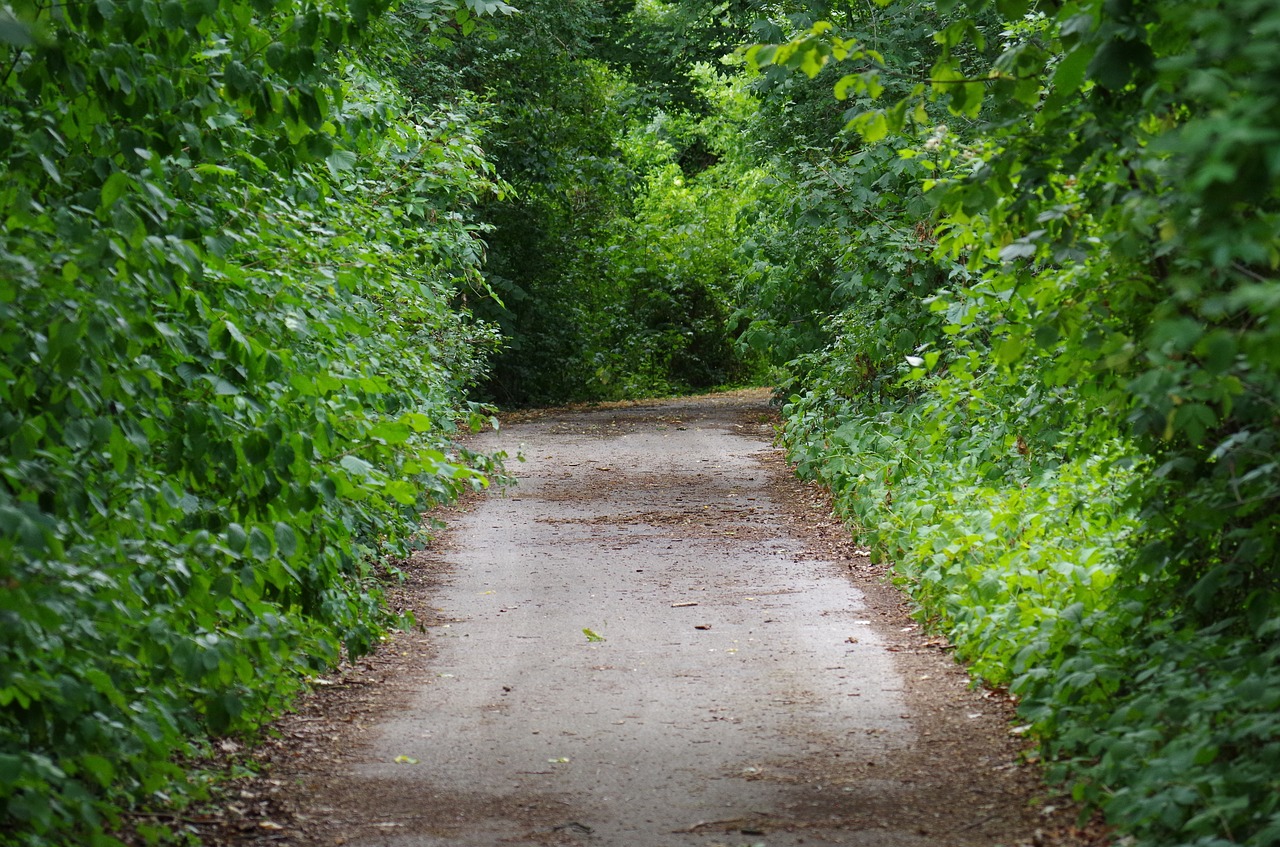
643, 644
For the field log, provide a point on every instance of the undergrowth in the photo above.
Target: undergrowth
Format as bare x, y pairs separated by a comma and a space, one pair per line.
1016, 548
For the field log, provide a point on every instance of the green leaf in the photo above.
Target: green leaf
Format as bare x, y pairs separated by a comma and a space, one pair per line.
259, 544
1011, 9
113, 189
873, 126
392, 432
1114, 64
237, 538
1010, 350
966, 98
221, 387
491, 7
761, 55
418, 422
14, 32
356, 466
340, 161
403, 492
10, 768
100, 768
286, 540
849, 83
1069, 75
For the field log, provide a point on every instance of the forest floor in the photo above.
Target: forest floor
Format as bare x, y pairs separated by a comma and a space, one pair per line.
657, 638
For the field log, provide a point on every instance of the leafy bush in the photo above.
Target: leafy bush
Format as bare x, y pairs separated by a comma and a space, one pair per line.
613, 260
671, 262
1006, 541
1017, 553
1105, 207
230, 371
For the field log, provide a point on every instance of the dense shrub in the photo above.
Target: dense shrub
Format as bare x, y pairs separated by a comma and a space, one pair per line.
612, 263
231, 363
1074, 470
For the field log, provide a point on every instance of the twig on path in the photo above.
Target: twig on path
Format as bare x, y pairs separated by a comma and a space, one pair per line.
979, 823
728, 823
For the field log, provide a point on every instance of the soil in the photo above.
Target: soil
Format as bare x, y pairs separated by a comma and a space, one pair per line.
659, 637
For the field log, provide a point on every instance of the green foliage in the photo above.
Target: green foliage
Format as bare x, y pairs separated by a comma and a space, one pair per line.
827, 246
670, 262
611, 263
1006, 529
1104, 198
1020, 257
229, 371
656, 43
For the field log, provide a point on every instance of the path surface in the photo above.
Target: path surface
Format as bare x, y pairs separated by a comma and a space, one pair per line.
638, 647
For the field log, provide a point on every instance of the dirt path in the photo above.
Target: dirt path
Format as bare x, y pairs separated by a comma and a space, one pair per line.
654, 640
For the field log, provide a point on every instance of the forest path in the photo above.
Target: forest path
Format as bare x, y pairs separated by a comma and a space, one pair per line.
657, 639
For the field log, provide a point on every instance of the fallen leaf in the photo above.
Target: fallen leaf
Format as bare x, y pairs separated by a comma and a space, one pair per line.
591, 636
563, 760
406, 760
702, 626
